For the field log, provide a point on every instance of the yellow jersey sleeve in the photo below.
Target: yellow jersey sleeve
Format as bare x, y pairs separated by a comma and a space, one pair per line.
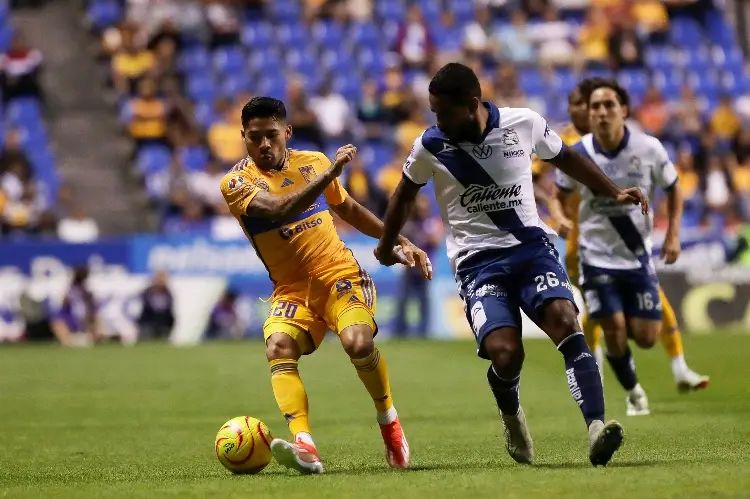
335, 193
238, 190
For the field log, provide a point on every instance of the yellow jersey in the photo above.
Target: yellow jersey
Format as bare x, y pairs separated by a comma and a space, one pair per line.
299, 248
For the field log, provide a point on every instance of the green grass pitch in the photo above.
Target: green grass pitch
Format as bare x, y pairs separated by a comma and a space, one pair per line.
118, 422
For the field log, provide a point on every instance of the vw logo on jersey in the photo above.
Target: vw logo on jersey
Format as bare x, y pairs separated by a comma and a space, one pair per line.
510, 137
482, 151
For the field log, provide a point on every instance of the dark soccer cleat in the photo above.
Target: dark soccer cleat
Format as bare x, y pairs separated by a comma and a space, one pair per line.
604, 440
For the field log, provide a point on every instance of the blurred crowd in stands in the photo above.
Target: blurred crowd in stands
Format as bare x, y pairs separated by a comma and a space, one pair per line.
357, 70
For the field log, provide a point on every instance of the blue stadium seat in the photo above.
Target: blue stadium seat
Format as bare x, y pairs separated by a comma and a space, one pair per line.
370, 60
697, 59
719, 31
350, 86
272, 84
194, 60
266, 60
463, 10
291, 36
205, 114
531, 82
235, 84
376, 155
634, 80
201, 87
364, 34
24, 111
230, 59
338, 60
328, 34
704, 83
660, 58
431, 10
257, 35
104, 13
283, 11
685, 32
732, 85
564, 82
669, 82
303, 61
193, 158
390, 10
151, 159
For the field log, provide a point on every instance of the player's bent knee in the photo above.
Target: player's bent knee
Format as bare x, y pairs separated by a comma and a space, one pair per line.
645, 335
282, 346
505, 350
560, 319
357, 341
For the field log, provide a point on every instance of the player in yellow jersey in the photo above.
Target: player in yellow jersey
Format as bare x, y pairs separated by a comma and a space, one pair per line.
565, 217
281, 198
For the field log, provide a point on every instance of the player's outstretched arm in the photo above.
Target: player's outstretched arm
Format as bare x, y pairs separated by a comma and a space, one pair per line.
578, 167
670, 251
368, 224
267, 205
396, 215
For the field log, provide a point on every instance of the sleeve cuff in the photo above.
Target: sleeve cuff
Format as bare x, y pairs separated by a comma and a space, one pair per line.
408, 177
559, 154
671, 186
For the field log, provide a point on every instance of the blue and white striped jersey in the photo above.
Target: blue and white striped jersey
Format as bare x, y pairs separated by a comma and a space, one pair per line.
485, 190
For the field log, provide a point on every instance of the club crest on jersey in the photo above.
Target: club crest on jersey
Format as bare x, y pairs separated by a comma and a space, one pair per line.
510, 137
482, 151
236, 183
261, 184
308, 172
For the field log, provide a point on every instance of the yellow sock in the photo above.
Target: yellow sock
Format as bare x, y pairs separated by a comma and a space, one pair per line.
671, 338
373, 372
290, 394
593, 333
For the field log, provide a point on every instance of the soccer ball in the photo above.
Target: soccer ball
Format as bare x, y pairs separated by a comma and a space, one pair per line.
243, 445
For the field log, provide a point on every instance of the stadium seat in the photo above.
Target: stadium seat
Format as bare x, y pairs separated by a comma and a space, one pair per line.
201, 87
194, 60
292, 36
390, 10
235, 84
283, 11
23, 111
205, 114
229, 59
328, 34
193, 158
531, 81
152, 159
364, 34
266, 60
257, 35
685, 32
103, 14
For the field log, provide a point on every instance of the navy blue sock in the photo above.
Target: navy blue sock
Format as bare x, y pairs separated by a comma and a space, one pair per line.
583, 377
505, 392
624, 368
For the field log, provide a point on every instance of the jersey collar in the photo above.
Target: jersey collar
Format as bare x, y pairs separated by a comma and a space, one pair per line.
493, 119
611, 154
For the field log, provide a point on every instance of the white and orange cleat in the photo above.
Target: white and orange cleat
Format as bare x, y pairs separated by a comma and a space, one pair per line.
298, 456
396, 447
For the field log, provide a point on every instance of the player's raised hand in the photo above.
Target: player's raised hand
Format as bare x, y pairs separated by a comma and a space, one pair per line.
633, 195
343, 156
415, 256
670, 251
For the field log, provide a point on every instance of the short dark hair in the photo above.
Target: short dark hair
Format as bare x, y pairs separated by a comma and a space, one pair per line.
263, 107
596, 83
456, 82
584, 86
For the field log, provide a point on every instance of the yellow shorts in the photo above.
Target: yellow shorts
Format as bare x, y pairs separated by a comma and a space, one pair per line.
306, 310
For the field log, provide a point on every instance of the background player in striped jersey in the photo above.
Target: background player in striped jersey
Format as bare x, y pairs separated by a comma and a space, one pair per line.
566, 218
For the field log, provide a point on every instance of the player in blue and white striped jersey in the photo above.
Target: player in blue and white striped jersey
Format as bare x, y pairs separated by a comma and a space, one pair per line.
479, 157
618, 277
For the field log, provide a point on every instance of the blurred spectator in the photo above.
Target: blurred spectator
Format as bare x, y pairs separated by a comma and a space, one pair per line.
690, 187
652, 19
370, 111
204, 184
687, 116
450, 42
425, 231
478, 40
19, 70
408, 131
625, 48
165, 60
593, 37
741, 146
719, 193
223, 20
77, 227
157, 315
12, 151
414, 42
486, 84
653, 113
507, 90
553, 38
301, 116
724, 121
515, 44
225, 135
332, 112
147, 115
390, 175
358, 183
76, 322
130, 63
225, 320
395, 95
